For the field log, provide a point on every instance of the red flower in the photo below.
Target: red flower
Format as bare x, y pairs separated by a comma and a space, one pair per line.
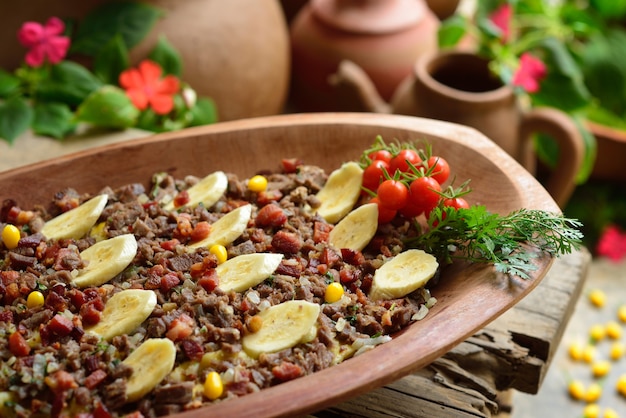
145, 87
530, 71
501, 18
44, 42
612, 244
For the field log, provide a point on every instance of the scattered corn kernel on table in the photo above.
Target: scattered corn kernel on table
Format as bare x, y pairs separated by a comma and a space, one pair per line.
475, 379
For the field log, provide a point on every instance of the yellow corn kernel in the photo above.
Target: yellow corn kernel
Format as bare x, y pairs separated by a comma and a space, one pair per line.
597, 298
597, 332
620, 385
610, 413
576, 389
10, 236
213, 386
617, 350
589, 353
34, 299
220, 252
334, 292
591, 411
257, 184
601, 368
593, 392
576, 350
613, 330
621, 313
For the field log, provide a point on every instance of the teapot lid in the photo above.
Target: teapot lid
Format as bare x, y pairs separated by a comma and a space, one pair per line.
369, 16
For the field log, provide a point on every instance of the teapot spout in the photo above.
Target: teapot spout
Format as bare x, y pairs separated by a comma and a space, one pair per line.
357, 89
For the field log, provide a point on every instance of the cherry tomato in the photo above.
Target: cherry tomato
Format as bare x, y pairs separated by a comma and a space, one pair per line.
384, 215
441, 170
374, 174
424, 193
393, 194
456, 202
399, 162
410, 210
382, 155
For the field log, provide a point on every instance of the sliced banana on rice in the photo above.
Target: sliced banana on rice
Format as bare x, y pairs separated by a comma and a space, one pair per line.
106, 259
356, 229
124, 312
207, 191
151, 362
247, 270
283, 326
341, 192
405, 273
77, 222
226, 229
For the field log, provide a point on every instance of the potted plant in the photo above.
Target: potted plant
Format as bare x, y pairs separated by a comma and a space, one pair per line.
570, 55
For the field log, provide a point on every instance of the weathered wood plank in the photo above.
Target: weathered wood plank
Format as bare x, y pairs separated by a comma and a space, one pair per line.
513, 352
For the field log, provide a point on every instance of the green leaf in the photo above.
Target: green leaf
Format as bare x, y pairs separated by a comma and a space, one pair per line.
204, 112
15, 118
108, 107
69, 83
111, 60
132, 20
610, 8
167, 57
53, 119
452, 31
9, 84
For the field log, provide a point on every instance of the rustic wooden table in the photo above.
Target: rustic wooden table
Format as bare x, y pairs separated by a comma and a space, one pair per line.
476, 378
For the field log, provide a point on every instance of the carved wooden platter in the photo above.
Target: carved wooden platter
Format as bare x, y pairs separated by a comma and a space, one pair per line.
469, 296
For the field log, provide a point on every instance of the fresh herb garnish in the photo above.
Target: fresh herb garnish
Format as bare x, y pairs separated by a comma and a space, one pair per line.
478, 235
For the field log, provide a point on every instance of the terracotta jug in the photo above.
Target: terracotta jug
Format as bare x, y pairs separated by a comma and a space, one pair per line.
457, 86
384, 37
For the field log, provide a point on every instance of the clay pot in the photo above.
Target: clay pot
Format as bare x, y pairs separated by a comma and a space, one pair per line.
611, 153
384, 37
457, 86
236, 52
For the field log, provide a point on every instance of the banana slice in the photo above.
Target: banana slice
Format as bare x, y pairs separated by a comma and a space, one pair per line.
357, 229
207, 191
106, 260
246, 270
152, 361
124, 312
284, 326
75, 223
405, 273
226, 229
341, 192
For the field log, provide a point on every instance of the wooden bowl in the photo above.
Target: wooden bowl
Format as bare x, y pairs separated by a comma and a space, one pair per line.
469, 296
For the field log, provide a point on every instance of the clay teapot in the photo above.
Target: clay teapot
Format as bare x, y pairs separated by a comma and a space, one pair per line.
384, 37
457, 86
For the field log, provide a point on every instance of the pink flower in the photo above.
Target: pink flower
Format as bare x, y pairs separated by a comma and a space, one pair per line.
145, 87
45, 42
612, 244
501, 18
531, 70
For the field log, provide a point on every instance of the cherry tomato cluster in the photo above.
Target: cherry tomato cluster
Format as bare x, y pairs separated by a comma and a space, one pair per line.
407, 181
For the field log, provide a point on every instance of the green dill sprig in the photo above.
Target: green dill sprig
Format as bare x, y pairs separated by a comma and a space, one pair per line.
478, 235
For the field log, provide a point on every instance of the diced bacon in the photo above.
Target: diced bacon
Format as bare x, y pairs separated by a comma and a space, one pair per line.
56, 302
6, 316
170, 245
329, 257
9, 276
290, 165
348, 275
181, 199
268, 196
270, 215
286, 242
60, 325
95, 378
200, 231
355, 258
293, 270
90, 314
60, 381
180, 328
192, 349
169, 281
18, 345
209, 280
286, 371
321, 231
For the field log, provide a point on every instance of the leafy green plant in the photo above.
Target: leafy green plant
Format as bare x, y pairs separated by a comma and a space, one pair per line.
581, 45
52, 95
